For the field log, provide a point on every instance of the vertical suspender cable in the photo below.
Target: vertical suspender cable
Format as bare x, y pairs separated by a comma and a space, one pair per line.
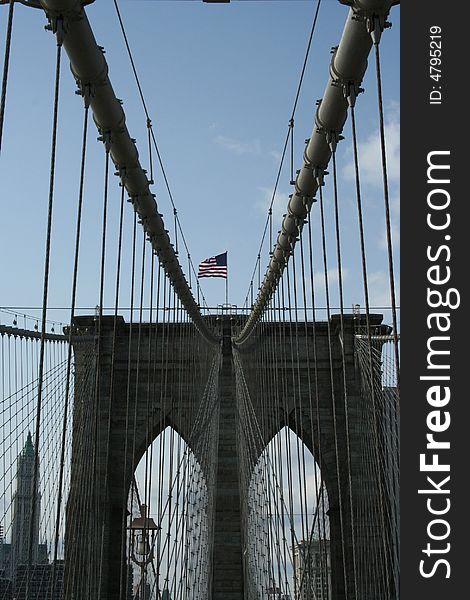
390, 262
387, 213
369, 335
148, 416
333, 394
309, 386
5, 69
44, 314
128, 401
97, 396
112, 367
322, 521
69, 355
290, 128
343, 359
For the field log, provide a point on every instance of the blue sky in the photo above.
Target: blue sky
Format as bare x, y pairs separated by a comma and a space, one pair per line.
219, 81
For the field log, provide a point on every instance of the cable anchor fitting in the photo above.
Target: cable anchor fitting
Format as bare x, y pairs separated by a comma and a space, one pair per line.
86, 91
105, 137
351, 91
134, 199
122, 174
332, 139
58, 27
375, 25
319, 175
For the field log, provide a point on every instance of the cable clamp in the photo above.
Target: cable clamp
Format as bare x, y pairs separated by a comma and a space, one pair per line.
376, 24
105, 137
134, 199
122, 174
375, 21
351, 88
86, 91
58, 26
308, 201
319, 174
332, 139
351, 91
332, 136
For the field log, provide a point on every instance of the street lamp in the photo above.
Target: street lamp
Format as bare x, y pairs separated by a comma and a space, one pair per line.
143, 531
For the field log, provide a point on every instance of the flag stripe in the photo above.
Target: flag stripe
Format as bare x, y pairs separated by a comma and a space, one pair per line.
215, 266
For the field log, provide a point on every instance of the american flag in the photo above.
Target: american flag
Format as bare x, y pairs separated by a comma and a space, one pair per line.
215, 266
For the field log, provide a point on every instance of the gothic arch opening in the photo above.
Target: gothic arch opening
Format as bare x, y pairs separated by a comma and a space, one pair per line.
286, 523
168, 527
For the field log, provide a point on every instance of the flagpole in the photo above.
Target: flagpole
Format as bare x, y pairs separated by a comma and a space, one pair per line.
226, 285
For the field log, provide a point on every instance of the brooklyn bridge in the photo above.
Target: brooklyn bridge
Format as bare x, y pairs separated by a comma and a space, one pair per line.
155, 445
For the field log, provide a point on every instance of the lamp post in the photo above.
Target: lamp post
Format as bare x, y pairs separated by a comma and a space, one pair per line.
143, 531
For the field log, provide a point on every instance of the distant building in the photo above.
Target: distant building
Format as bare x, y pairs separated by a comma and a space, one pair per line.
143, 592
41, 587
274, 593
22, 511
312, 570
5, 558
130, 583
14, 556
6, 590
5, 550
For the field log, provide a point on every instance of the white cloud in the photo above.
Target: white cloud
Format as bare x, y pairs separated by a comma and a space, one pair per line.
237, 146
379, 289
369, 151
395, 224
333, 277
279, 205
370, 164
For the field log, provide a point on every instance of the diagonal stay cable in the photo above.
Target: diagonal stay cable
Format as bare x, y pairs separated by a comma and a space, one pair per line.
387, 210
5, 68
69, 353
288, 136
44, 307
154, 140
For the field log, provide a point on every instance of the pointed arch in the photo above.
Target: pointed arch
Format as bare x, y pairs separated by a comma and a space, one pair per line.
286, 521
172, 484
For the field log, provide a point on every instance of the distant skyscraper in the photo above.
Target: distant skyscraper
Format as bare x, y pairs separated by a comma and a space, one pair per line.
312, 570
22, 511
5, 550
274, 593
40, 584
144, 592
5, 587
5, 583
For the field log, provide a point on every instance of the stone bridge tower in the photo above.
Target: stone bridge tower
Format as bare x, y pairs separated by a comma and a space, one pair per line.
102, 420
